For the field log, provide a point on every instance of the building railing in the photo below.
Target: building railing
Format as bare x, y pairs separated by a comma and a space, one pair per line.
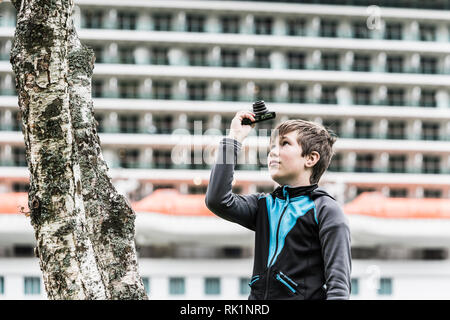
190, 130
250, 167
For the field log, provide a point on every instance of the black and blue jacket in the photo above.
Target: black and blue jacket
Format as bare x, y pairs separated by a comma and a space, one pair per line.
302, 238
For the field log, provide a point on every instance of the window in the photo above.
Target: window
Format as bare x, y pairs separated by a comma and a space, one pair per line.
98, 52
354, 286
262, 59
197, 57
20, 187
363, 129
431, 164
296, 27
336, 163
296, 60
146, 281
393, 31
197, 91
100, 118
162, 90
398, 193
129, 123
163, 124
297, 94
432, 193
333, 125
264, 130
197, 189
362, 96
230, 58
127, 20
428, 65
97, 88
160, 56
128, 89
126, 55
162, 159
212, 286
128, 158
197, 122
2, 285
163, 186
395, 97
244, 288
397, 163
385, 286
225, 123
430, 131
265, 92
394, 64
230, 92
176, 286
328, 95
17, 121
396, 130
330, 61
92, 19
427, 32
360, 190
32, 285
23, 250
263, 25
360, 30
230, 24
428, 98
364, 163
361, 63
195, 23
328, 29
162, 22
19, 157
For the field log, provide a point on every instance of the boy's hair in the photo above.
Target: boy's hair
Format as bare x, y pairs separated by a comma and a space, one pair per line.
311, 137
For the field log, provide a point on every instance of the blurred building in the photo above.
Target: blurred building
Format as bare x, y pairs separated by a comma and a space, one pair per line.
169, 77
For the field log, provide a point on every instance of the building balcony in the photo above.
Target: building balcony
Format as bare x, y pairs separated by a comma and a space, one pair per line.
256, 177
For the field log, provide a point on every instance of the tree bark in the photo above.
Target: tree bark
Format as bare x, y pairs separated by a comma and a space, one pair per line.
84, 228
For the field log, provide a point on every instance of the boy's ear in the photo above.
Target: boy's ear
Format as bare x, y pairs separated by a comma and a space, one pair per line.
312, 159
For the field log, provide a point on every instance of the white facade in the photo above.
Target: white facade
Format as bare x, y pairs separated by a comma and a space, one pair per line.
385, 93
411, 280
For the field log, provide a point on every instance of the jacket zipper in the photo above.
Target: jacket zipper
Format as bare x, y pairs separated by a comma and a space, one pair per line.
276, 248
287, 278
279, 278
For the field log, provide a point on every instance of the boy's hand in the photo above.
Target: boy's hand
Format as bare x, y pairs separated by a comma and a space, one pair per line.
238, 131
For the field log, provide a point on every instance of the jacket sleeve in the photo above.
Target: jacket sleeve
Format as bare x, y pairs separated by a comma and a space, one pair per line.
334, 234
219, 198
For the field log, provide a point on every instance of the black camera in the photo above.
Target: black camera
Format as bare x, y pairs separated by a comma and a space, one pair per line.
261, 113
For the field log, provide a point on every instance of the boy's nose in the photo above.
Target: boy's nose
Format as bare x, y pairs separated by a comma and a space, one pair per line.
273, 153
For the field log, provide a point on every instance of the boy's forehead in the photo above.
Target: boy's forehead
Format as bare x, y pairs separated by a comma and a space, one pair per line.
288, 135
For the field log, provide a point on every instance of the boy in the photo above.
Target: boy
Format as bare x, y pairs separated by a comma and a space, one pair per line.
302, 238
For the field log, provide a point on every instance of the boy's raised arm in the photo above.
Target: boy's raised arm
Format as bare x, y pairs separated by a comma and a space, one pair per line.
219, 196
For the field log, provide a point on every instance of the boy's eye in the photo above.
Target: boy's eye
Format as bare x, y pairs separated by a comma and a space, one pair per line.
284, 142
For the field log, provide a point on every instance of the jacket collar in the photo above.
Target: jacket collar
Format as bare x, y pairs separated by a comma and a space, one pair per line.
287, 192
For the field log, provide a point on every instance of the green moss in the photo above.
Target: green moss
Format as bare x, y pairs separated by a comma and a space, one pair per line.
121, 218
35, 35
69, 227
81, 61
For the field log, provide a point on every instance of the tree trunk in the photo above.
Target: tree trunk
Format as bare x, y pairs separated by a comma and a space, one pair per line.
84, 229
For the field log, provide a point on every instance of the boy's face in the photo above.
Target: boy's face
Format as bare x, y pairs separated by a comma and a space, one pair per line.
285, 161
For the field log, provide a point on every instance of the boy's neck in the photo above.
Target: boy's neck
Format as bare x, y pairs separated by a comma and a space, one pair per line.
300, 182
